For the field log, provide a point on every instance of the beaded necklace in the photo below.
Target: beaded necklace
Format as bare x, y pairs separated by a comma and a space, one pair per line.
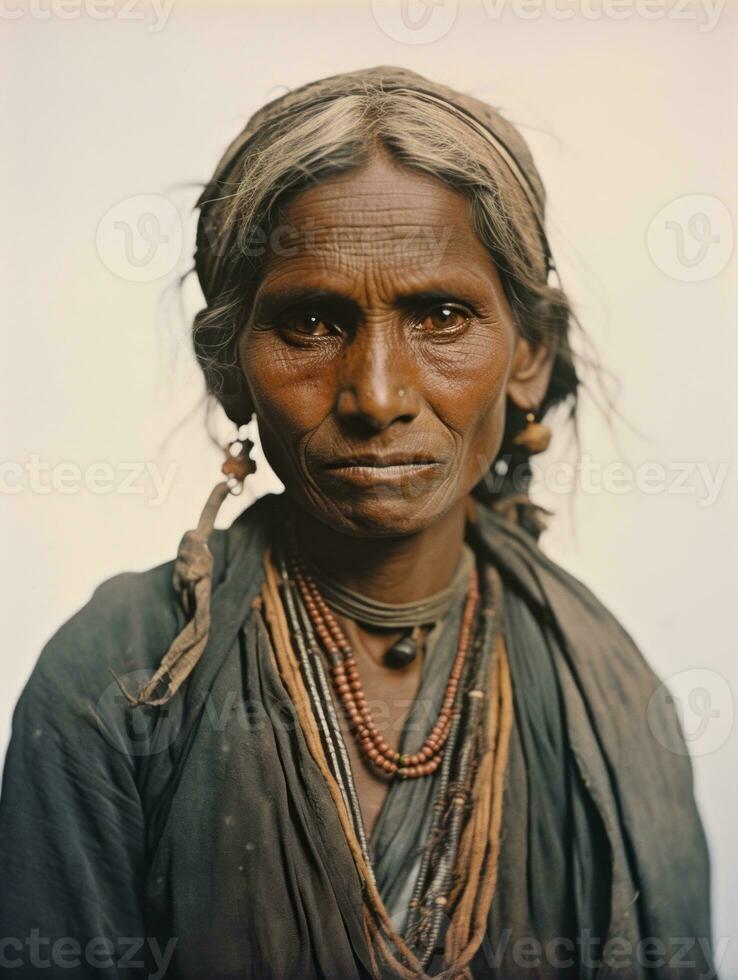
349, 689
458, 765
414, 618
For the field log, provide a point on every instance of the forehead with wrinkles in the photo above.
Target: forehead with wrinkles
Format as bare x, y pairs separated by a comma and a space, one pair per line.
382, 218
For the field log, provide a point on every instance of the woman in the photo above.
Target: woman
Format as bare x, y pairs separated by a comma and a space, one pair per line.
369, 730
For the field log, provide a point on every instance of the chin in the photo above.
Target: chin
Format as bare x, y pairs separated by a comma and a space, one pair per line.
383, 515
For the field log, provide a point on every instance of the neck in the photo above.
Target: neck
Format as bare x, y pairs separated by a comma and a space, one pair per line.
395, 570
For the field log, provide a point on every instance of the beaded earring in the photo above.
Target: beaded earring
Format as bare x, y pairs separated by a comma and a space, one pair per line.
238, 464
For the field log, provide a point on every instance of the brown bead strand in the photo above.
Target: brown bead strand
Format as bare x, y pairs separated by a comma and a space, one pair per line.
381, 749
348, 687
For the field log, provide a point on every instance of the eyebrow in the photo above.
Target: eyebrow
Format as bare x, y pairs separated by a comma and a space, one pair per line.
271, 304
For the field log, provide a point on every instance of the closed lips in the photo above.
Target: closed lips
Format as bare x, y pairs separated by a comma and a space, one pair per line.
377, 462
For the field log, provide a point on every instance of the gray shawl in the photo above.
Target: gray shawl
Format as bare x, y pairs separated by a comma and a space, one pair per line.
199, 840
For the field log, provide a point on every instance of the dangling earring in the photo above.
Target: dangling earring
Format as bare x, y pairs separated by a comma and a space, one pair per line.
192, 579
238, 464
535, 437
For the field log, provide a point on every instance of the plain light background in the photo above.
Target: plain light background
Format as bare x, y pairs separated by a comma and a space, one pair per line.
112, 122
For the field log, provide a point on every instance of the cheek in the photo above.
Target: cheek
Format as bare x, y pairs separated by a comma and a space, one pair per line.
472, 383
485, 438
290, 392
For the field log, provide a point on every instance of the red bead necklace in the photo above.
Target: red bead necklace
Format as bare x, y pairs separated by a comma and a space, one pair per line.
349, 689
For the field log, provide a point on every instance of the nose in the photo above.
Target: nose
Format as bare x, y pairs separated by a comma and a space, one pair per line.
376, 385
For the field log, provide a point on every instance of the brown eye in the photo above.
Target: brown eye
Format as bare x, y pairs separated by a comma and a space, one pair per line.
309, 325
444, 318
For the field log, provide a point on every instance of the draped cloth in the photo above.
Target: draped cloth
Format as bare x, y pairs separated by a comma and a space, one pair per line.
564, 837
199, 839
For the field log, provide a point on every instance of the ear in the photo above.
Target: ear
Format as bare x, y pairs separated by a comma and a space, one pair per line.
238, 409
235, 397
530, 373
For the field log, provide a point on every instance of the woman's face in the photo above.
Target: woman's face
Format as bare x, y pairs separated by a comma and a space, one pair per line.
379, 351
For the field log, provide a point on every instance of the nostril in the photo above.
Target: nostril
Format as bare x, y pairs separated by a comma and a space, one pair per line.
347, 404
374, 409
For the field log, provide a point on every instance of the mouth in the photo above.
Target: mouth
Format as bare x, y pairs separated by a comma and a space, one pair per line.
380, 462
370, 469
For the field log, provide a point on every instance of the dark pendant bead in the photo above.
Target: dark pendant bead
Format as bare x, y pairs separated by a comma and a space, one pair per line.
402, 653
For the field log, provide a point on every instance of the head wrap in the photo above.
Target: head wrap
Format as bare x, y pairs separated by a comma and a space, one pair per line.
503, 136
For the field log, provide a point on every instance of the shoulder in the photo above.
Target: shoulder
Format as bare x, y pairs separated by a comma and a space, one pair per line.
622, 689
597, 642
125, 624
529, 570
